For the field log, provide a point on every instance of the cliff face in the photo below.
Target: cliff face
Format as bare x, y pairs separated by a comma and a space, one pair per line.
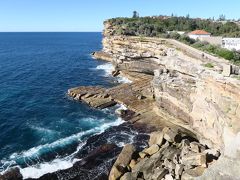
201, 99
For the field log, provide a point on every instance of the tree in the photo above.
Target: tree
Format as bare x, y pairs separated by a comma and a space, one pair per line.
222, 17
135, 14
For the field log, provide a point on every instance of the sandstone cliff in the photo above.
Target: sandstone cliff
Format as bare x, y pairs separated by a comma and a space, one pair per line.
202, 99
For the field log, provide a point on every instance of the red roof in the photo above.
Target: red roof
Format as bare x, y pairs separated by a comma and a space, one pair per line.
200, 32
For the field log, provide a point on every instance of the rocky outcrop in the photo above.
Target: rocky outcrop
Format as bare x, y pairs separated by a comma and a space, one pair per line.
194, 108
12, 174
96, 97
204, 100
102, 56
201, 99
176, 156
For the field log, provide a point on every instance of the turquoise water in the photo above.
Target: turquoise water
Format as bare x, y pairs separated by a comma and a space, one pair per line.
39, 123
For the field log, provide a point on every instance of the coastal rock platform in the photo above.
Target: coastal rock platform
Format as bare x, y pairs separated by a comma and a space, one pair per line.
137, 97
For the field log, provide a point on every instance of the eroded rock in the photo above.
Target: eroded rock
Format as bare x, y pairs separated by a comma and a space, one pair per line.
156, 138
152, 149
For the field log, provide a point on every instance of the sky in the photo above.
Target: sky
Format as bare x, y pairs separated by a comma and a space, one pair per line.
88, 15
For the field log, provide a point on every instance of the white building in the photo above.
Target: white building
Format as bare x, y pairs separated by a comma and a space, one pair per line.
231, 43
197, 34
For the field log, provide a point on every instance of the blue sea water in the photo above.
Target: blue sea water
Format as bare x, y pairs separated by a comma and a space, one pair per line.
39, 123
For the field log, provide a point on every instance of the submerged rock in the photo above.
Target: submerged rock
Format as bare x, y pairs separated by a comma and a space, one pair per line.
12, 174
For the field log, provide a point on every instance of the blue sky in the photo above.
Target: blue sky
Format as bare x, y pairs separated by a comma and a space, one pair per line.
88, 15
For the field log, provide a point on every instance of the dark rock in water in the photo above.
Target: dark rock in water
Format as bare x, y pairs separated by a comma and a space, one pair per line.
115, 73
99, 153
96, 165
97, 156
127, 114
12, 174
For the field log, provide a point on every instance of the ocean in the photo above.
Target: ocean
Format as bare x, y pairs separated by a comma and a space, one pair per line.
42, 130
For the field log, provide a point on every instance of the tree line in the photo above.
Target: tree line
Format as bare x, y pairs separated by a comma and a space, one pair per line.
157, 26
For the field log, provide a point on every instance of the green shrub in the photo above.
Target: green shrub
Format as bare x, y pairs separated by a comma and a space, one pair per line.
209, 65
174, 35
226, 54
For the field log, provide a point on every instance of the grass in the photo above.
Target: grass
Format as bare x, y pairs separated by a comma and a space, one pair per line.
209, 65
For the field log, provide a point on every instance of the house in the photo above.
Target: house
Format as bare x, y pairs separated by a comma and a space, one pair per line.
198, 34
231, 43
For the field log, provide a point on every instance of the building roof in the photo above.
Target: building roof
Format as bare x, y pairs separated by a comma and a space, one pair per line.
200, 32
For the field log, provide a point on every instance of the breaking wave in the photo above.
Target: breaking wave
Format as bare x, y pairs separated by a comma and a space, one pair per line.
42, 167
108, 68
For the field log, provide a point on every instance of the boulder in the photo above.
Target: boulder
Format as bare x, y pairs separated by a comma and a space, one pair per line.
185, 146
122, 162
152, 149
148, 167
159, 173
195, 147
179, 170
139, 165
170, 134
169, 165
128, 176
169, 177
192, 173
132, 163
115, 173
142, 155
12, 174
156, 138
194, 159
125, 156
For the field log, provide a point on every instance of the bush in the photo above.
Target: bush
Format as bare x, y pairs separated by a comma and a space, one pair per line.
200, 44
174, 35
226, 54
209, 65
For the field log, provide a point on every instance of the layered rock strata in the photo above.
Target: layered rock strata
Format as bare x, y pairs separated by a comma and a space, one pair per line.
137, 96
186, 91
201, 99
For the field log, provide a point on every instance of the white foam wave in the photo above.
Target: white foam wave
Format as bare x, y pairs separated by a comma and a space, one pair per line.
40, 169
44, 168
122, 107
122, 79
108, 68
64, 141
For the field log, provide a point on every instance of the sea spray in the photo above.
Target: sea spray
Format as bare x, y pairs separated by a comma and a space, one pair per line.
108, 68
39, 169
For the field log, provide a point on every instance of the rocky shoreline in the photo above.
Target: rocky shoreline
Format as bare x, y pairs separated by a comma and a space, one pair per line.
170, 155
190, 111
173, 151
186, 96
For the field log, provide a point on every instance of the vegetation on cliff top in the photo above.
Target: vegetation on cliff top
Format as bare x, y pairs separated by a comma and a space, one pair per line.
160, 27
156, 26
